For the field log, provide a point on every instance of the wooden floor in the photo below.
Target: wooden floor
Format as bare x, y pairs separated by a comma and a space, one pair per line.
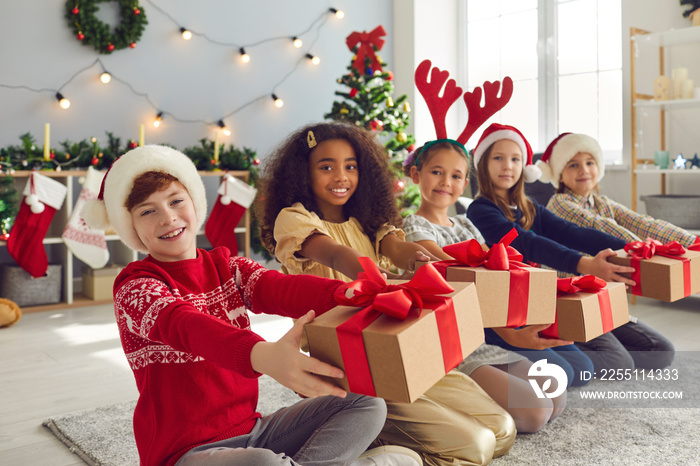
56, 362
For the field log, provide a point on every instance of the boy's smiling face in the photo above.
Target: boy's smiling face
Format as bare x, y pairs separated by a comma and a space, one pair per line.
166, 222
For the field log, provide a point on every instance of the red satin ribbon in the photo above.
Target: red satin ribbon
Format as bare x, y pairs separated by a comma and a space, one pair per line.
499, 257
696, 245
639, 250
371, 291
367, 40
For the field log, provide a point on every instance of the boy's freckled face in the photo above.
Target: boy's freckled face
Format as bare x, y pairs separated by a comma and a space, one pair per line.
166, 222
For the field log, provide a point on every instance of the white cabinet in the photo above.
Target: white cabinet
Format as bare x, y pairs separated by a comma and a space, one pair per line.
119, 253
646, 44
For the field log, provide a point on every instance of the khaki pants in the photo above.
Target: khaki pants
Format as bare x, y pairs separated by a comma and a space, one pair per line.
453, 423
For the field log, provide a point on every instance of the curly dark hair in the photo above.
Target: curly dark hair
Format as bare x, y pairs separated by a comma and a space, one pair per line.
285, 179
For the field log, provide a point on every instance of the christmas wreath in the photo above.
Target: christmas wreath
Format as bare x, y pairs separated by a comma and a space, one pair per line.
91, 31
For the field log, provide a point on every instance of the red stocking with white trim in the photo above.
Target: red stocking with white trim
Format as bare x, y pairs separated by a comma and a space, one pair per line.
235, 197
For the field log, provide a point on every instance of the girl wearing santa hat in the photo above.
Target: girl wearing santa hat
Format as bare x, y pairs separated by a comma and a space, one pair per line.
574, 165
503, 160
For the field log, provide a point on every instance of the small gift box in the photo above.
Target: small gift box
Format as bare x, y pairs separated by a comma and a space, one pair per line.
511, 293
667, 272
396, 339
588, 307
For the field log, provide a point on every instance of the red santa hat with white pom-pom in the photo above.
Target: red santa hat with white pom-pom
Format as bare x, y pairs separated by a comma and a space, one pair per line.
564, 148
494, 133
109, 207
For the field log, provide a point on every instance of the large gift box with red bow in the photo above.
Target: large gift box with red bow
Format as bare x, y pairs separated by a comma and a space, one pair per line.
588, 307
667, 272
511, 293
396, 339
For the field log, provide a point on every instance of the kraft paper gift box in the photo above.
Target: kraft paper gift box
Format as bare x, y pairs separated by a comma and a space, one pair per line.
511, 294
667, 272
396, 359
98, 283
588, 307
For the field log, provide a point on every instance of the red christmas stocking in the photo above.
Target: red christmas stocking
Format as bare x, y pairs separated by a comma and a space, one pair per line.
235, 196
42, 198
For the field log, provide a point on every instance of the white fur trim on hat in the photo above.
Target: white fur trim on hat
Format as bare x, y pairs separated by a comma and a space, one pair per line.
119, 181
494, 137
562, 150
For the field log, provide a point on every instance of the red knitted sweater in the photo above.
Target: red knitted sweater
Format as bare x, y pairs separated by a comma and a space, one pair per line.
185, 330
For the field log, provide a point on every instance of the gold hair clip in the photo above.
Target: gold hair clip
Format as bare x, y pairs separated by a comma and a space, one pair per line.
311, 139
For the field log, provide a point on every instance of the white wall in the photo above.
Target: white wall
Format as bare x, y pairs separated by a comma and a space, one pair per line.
192, 79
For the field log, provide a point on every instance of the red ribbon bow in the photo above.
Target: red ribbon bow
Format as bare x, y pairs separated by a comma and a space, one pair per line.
501, 256
378, 297
639, 250
696, 245
367, 41
587, 284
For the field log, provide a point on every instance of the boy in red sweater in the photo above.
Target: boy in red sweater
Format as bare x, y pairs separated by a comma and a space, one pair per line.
182, 314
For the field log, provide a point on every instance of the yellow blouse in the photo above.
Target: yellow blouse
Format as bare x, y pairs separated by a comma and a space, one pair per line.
295, 224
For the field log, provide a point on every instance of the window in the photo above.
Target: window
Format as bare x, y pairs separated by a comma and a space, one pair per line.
565, 58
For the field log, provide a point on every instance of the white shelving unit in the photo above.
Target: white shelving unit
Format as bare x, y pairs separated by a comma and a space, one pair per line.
119, 253
645, 41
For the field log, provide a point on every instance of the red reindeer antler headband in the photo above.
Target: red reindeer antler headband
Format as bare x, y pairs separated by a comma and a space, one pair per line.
439, 105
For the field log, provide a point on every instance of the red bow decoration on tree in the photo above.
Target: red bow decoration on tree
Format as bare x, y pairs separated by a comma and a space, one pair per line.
500, 256
367, 42
378, 297
586, 283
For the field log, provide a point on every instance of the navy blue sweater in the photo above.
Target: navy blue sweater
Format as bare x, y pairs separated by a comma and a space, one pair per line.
551, 241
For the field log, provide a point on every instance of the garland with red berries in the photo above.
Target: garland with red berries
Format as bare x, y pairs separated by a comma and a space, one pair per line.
91, 31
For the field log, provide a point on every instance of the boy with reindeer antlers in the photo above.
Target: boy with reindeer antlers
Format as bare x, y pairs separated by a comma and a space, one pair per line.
441, 170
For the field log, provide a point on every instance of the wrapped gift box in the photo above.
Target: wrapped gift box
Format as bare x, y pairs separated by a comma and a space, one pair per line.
493, 289
98, 283
664, 278
405, 357
580, 316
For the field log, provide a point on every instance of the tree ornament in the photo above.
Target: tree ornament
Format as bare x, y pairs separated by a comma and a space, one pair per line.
406, 107
95, 161
256, 161
90, 30
353, 92
344, 111
389, 102
133, 144
389, 76
132, 45
401, 137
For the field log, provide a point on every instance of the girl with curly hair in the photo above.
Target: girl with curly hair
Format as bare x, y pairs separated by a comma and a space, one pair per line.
326, 199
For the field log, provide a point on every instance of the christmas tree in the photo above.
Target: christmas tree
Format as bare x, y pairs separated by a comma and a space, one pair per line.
8, 204
368, 101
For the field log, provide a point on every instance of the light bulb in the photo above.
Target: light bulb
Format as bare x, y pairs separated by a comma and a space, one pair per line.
245, 58
159, 118
297, 42
278, 102
223, 127
338, 13
186, 33
105, 77
62, 101
315, 60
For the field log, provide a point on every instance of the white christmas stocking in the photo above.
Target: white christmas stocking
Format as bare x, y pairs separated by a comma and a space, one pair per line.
42, 198
235, 196
86, 243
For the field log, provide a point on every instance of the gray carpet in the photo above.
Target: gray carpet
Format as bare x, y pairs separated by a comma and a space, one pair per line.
604, 434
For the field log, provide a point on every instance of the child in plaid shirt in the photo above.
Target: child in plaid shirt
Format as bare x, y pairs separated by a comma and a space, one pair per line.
573, 164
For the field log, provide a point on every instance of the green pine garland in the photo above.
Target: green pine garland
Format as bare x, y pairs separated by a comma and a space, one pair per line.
91, 31
8, 203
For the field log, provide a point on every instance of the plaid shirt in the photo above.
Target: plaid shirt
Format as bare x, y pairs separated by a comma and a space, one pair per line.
615, 219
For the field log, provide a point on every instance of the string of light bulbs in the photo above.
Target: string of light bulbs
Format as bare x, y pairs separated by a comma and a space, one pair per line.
106, 77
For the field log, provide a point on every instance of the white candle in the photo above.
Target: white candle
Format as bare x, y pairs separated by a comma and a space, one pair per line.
216, 147
688, 86
141, 135
47, 143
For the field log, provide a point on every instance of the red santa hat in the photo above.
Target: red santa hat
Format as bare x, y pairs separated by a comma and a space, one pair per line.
494, 133
109, 210
564, 148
